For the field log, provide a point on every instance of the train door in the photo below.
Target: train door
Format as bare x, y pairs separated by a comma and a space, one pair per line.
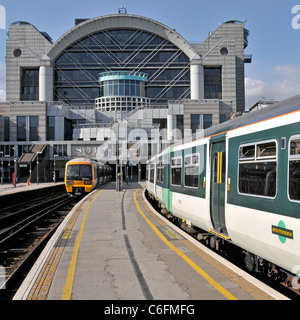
217, 194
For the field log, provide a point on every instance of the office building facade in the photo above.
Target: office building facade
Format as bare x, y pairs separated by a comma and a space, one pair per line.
117, 77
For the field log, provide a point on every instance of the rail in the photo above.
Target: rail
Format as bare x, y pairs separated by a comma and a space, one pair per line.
25, 229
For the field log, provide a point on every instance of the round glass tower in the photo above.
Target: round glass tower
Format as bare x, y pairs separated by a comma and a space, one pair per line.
122, 91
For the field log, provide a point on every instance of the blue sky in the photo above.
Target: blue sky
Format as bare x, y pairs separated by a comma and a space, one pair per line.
274, 43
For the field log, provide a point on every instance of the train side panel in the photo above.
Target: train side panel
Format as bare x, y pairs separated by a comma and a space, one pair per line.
261, 233
259, 164
260, 215
189, 185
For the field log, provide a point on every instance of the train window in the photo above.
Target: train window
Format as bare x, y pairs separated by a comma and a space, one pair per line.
176, 171
294, 169
216, 167
295, 147
215, 170
187, 160
85, 172
258, 170
160, 171
266, 150
247, 152
223, 173
157, 172
191, 170
79, 172
147, 172
152, 172
72, 172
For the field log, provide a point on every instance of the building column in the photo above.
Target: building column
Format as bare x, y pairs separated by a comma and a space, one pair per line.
170, 127
46, 83
197, 79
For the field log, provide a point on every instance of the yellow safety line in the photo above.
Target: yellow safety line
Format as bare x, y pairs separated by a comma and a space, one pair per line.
214, 283
71, 271
220, 167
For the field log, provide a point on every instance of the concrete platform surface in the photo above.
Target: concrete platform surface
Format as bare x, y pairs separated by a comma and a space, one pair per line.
8, 188
112, 246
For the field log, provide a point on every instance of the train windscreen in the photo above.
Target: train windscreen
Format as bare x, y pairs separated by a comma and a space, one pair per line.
79, 172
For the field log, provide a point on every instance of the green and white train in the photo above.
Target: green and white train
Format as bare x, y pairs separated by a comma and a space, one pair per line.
239, 183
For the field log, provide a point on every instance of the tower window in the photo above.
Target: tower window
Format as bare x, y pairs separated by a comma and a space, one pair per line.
30, 84
213, 83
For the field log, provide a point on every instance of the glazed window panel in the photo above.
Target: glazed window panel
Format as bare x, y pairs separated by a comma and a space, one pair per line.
266, 150
223, 174
176, 171
247, 153
294, 170
160, 172
258, 169
114, 50
157, 173
147, 172
191, 170
295, 147
21, 128
152, 172
258, 178
79, 172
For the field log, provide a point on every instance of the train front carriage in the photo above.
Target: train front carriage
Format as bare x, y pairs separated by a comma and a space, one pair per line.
79, 176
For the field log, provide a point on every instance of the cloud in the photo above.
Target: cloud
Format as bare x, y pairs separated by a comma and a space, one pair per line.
286, 84
2, 95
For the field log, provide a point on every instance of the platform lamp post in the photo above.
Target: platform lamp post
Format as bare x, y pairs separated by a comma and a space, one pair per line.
1, 167
121, 172
54, 168
117, 158
30, 171
8, 165
37, 166
15, 167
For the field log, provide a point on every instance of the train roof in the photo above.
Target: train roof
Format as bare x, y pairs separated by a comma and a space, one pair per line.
281, 108
88, 160
284, 107
80, 160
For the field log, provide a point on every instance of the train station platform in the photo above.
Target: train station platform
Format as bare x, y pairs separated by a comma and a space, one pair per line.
113, 246
8, 188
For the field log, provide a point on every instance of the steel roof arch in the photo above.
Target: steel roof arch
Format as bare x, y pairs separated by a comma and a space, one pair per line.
119, 21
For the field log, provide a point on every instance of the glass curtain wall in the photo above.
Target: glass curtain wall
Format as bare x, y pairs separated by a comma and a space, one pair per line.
77, 69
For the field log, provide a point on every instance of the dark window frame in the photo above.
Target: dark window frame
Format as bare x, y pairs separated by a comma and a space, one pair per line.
294, 163
192, 170
257, 174
176, 171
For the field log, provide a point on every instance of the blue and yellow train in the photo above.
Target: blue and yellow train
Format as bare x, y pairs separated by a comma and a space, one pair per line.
240, 183
83, 175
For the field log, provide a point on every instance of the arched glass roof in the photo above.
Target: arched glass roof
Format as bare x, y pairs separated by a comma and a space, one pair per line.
123, 50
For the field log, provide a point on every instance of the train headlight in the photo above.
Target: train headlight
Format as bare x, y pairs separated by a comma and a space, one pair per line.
87, 182
70, 182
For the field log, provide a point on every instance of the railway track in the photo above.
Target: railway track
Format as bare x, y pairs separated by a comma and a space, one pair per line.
233, 254
24, 230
